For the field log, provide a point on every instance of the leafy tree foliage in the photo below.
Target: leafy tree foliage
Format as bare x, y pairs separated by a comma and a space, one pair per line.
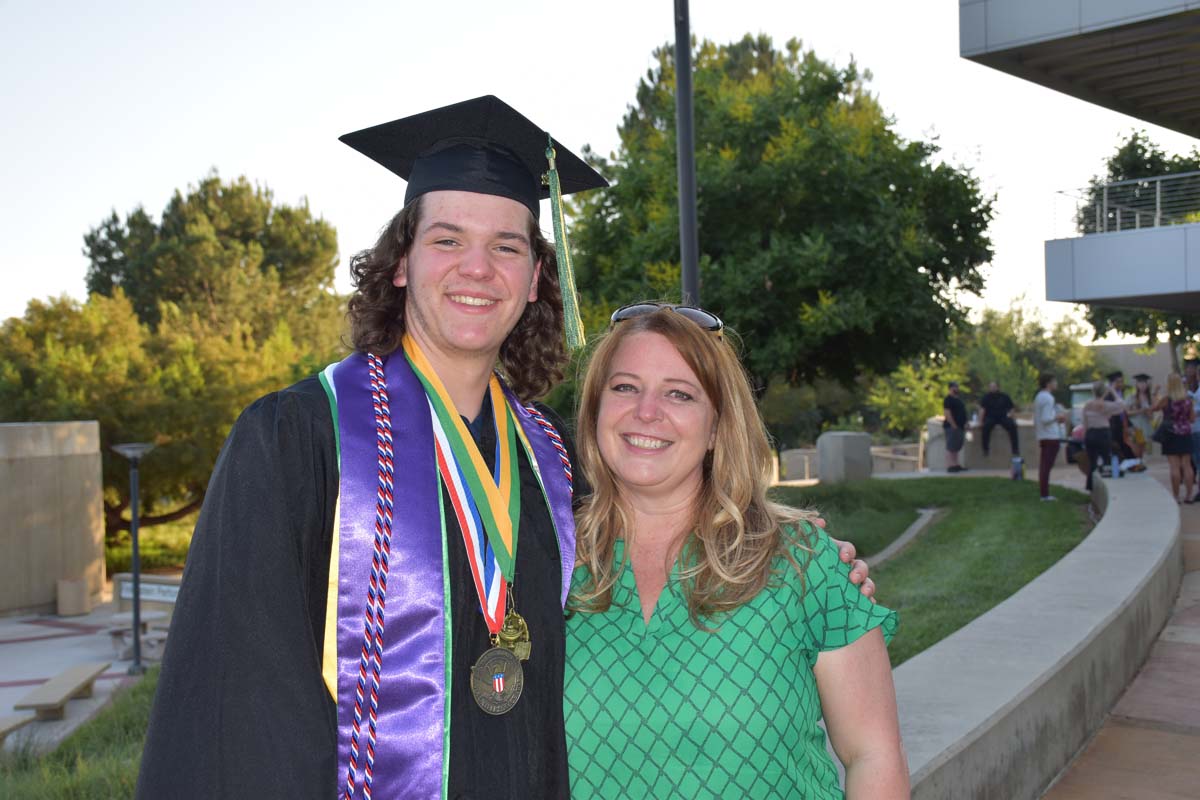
1009, 347
831, 244
913, 392
224, 251
1139, 157
189, 319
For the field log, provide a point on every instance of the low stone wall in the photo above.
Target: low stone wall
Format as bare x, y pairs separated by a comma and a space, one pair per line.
158, 592
51, 504
997, 709
971, 455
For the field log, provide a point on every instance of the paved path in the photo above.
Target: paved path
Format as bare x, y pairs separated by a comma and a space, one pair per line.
34, 649
1149, 749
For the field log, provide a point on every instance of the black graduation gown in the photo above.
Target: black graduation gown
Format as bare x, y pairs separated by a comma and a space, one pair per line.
241, 708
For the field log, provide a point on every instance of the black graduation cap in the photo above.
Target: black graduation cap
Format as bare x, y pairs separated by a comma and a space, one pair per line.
1141, 376
1112, 376
482, 145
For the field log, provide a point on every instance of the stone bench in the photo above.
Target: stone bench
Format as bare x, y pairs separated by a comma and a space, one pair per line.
11, 722
50, 699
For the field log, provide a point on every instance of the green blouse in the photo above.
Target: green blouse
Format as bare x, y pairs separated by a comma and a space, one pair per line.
668, 710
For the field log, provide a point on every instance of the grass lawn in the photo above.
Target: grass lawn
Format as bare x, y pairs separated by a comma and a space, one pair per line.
161, 547
99, 761
995, 537
868, 513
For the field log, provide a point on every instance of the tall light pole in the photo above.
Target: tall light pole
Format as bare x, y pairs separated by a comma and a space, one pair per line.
685, 157
134, 451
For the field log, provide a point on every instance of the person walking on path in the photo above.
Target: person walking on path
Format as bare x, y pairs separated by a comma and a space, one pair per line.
955, 425
1046, 419
1179, 414
995, 409
1097, 438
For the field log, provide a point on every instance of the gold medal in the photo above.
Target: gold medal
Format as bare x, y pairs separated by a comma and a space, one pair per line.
514, 635
497, 680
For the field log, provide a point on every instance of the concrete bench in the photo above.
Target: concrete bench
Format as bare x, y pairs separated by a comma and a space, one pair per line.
11, 722
146, 618
50, 699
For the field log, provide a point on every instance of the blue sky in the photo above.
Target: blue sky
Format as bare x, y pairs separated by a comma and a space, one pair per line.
111, 106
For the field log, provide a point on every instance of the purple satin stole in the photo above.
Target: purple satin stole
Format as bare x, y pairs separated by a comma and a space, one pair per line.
412, 738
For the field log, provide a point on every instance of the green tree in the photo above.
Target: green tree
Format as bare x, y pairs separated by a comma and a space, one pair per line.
913, 393
834, 246
224, 251
1139, 157
189, 319
1010, 347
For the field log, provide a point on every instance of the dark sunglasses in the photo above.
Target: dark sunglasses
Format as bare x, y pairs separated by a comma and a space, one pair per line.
705, 319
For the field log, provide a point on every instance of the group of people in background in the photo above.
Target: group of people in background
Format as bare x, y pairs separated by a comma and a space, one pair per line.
1112, 428
1122, 430
995, 410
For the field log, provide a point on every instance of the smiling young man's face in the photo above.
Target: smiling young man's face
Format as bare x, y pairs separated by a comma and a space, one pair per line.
469, 273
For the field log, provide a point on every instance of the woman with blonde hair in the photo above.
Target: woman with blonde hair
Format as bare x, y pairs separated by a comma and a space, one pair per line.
712, 628
1178, 414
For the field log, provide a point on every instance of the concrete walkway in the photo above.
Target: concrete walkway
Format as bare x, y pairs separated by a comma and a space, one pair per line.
1149, 748
34, 649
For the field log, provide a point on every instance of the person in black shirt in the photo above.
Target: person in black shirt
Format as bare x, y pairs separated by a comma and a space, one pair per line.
955, 424
995, 409
1118, 424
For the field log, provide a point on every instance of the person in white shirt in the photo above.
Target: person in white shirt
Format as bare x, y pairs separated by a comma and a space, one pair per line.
1046, 419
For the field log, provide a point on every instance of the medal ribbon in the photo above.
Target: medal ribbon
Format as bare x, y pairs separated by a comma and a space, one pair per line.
487, 505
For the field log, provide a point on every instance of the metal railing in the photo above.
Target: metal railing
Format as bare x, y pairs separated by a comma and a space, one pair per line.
1138, 203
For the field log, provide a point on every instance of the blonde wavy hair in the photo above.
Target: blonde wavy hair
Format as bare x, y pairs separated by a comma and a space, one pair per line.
1175, 389
737, 535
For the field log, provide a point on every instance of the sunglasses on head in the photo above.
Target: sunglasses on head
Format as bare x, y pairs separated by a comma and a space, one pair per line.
705, 319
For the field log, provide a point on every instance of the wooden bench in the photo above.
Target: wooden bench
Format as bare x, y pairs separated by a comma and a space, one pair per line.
50, 699
10, 722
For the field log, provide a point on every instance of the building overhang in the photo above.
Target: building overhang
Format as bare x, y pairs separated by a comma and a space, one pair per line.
1155, 268
1139, 57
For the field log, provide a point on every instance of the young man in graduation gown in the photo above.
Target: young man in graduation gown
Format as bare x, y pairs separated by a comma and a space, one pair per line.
373, 599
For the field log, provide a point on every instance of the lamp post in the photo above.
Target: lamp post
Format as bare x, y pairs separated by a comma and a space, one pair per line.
134, 452
685, 157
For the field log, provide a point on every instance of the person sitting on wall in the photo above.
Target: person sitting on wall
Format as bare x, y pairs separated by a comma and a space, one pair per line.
995, 409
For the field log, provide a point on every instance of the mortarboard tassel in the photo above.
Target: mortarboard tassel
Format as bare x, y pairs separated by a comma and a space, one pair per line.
572, 322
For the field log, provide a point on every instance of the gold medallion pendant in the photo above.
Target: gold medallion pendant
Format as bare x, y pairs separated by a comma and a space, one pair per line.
515, 635
497, 680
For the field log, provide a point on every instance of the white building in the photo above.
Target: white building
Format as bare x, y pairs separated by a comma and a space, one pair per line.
1141, 241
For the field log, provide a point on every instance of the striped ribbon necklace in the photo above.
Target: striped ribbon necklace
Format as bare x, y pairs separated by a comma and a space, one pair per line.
486, 502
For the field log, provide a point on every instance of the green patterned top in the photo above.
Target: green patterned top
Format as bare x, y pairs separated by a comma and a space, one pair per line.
668, 710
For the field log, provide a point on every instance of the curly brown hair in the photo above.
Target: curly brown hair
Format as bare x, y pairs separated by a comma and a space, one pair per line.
531, 358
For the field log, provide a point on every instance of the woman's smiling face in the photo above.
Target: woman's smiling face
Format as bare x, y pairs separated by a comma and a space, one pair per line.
655, 423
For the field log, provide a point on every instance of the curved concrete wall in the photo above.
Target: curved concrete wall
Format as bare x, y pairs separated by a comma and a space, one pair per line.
998, 708
52, 512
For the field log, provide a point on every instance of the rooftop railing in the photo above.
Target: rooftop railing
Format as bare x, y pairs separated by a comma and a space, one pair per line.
1138, 203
